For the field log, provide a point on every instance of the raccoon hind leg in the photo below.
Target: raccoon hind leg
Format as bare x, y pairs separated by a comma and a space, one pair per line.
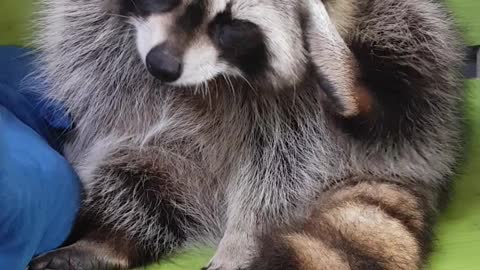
370, 225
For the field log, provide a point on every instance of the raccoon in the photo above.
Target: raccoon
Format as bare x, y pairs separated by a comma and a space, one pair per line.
291, 134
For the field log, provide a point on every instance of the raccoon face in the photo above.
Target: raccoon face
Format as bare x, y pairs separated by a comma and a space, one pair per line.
189, 42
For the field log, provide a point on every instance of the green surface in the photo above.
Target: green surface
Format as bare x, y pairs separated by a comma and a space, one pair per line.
459, 228
14, 21
468, 16
458, 245
190, 260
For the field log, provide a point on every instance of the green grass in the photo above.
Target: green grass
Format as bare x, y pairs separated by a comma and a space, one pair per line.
188, 260
459, 228
14, 21
468, 17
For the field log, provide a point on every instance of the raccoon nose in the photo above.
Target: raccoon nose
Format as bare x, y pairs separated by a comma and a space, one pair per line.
164, 64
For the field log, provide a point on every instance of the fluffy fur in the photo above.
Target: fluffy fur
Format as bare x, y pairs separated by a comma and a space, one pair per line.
350, 124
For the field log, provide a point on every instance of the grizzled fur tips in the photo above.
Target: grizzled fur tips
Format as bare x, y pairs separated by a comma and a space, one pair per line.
284, 131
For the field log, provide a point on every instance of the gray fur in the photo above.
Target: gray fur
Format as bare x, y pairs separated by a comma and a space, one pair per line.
208, 140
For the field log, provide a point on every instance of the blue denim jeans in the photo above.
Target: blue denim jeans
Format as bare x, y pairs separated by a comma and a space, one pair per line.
39, 191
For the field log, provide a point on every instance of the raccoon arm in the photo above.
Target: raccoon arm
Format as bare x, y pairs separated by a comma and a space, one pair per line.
370, 225
132, 214
409, 63
396, 68
335, 65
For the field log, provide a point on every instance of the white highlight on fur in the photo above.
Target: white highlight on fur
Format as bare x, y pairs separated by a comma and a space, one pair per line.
151, 32
216, 7
201, 63
331, 56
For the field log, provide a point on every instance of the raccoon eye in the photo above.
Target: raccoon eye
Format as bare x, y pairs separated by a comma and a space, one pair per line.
147, 7
236, 37
241, 43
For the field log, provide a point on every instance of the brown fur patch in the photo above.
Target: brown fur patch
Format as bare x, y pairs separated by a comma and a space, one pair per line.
364, 99
313, 254
379, 235
386, 196
380, 220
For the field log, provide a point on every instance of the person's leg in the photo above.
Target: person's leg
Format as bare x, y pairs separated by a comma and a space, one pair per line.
39, 191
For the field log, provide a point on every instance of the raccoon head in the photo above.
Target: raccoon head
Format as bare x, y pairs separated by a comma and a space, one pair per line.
189, 42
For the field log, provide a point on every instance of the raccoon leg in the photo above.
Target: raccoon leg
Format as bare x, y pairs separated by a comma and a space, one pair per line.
254, 208
370, 225
256, 205
132, 215
234, 252
335, 65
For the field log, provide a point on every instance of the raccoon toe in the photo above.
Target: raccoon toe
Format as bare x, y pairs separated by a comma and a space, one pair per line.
70, 258
234, 252
209, 267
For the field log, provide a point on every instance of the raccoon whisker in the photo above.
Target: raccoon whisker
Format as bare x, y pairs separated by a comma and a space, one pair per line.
204, 89
294, 95
255, 90
208, 94
118, 15
230, 84
197, 89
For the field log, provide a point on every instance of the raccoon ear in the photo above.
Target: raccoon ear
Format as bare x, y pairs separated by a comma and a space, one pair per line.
335, 65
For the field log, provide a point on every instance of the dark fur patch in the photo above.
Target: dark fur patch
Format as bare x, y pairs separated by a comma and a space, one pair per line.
357, 259
274, 254
400, 104
156, 196
72, 258
242, 43
145, 8
400, 81
193, 17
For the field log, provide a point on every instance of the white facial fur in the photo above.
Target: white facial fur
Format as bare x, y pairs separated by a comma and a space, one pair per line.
201, 61
151, 32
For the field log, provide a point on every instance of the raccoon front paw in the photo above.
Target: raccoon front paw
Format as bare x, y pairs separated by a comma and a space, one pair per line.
74, 258
234, 252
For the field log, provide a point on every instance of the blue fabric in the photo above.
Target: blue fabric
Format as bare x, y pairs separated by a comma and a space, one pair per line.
39, 191
16, 64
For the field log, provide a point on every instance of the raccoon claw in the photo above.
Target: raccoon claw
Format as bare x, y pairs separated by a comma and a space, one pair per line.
69, 258
230, 265
209, 267
54, 260
233, 253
